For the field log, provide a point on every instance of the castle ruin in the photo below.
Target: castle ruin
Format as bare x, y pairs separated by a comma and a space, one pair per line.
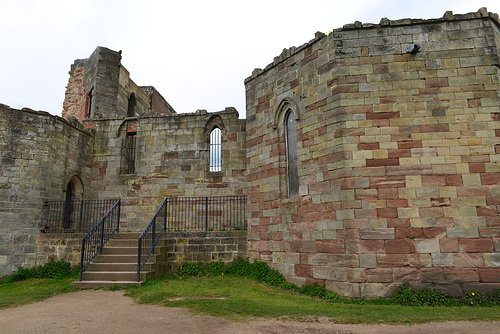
369, 156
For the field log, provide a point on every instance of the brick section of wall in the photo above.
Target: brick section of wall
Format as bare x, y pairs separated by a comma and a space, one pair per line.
107, 81
204, 247
157, 102
39, 153
75, 99
67, 247
398, 158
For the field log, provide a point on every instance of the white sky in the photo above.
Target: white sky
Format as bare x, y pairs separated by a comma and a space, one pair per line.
195, 53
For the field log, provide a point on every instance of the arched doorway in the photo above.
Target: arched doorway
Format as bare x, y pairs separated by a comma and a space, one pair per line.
73, 195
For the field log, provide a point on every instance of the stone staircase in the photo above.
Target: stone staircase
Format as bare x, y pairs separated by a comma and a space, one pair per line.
118, 263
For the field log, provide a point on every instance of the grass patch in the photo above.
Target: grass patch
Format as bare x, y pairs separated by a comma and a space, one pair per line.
33, 290
36, 284
239, 298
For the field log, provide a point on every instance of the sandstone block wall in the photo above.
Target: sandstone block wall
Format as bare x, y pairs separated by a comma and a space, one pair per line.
171, 151
172, 159
398, 157
67, 247
204, 247
39, 153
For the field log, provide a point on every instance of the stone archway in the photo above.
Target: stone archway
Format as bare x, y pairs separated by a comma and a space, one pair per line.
72, 193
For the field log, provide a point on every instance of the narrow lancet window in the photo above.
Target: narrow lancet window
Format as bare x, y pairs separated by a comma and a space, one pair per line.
291, 154
89, 104
131, 106
215, 150
130, 153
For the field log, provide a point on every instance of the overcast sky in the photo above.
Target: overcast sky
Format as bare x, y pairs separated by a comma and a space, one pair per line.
195, 53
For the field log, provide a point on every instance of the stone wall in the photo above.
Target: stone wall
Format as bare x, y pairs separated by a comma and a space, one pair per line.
39, 154
171, 151
398, 157
204, 247
172, 158
60, 246
43, 154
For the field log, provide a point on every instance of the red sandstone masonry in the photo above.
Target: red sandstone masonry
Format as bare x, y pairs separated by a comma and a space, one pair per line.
384, 138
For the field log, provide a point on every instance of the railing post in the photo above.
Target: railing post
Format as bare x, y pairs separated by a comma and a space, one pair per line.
153, 235
81, 260
139, 260
102, 235
206, 214
118, 220
80, 219
165, 216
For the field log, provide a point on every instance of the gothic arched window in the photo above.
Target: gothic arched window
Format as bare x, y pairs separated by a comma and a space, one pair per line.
215, 150
291, 154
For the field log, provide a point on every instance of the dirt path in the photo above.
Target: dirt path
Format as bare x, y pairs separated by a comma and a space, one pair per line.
91, 311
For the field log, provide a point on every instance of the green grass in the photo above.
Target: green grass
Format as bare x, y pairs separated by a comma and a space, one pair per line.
239, 298
33, 290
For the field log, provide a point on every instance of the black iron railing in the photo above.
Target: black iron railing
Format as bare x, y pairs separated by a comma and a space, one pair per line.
75, 216
97, 237
214, 213
191, 214
150, 236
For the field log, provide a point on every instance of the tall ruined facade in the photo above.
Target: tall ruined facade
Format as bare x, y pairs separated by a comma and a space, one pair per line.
369, 166
115, 140
368, 157
144, 151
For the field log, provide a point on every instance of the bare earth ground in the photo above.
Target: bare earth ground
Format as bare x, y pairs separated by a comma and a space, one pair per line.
91, 311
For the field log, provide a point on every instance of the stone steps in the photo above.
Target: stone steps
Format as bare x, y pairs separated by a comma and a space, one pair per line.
117, 265
103, 284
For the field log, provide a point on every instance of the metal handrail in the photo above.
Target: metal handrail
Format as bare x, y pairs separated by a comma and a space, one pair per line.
97, 237
150, 236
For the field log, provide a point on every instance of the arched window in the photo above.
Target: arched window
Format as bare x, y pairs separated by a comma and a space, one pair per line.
291, 154
130, 146
131, 105
215, 150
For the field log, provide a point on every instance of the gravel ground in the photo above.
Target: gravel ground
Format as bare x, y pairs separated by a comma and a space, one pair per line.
91, 311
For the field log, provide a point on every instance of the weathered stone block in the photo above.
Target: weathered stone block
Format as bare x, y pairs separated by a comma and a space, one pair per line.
399, 246
345, 289
477, 245
377, 233
330, 273
380, 275
427, 246
489, 275
377, 290
460, 275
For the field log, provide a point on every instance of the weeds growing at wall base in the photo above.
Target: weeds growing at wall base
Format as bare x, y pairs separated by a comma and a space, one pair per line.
52, 269
243, 290
404, 295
